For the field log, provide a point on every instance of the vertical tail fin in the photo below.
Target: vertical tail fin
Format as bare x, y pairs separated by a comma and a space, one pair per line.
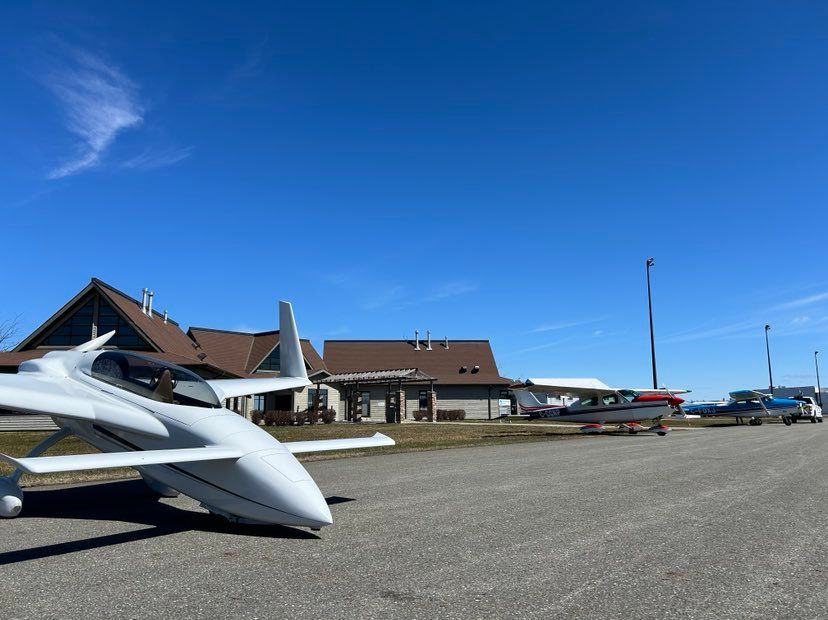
527, 401
291, 360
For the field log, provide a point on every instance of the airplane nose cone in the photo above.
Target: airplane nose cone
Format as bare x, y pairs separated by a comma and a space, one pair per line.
296, 493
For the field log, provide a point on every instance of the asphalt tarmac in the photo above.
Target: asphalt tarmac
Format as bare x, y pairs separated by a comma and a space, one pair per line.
713, 523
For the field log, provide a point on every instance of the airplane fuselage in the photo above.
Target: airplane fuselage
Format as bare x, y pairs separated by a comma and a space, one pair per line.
622, 413
266, 484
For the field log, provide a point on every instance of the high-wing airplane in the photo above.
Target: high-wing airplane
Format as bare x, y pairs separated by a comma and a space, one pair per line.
169, 424
598, 404
748, 404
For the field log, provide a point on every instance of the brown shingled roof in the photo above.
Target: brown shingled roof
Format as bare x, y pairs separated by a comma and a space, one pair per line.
242, 352
446, 364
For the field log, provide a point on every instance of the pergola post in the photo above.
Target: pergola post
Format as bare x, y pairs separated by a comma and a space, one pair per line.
432, 403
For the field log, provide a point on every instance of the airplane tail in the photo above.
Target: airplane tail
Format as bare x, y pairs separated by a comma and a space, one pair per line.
291, 360
528, 402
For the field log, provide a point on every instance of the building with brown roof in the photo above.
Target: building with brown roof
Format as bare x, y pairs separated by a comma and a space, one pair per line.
257, 354
464, 372
99, 308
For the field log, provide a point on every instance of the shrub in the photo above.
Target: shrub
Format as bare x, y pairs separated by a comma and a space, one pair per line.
451, 414
328, 416
313, 416
300, 417
277, 418
256, 417
419, 414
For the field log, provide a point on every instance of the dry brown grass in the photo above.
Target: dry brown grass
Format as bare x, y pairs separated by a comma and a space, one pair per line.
409, 437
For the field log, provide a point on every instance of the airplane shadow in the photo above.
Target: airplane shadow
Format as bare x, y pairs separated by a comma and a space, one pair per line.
129, 501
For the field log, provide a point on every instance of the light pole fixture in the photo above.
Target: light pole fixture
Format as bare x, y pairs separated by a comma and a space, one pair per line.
767, 348
650, 263
819, 389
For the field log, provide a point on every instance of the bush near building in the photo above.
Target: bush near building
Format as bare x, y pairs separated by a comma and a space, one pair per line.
450, 415
257, 417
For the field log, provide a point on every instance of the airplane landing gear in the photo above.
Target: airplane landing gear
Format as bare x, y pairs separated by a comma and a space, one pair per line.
786, 420
755, 422
11, 498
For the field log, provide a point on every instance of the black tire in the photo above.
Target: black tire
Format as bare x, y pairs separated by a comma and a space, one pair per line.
794, 420
662, 434
813, 420
786, 421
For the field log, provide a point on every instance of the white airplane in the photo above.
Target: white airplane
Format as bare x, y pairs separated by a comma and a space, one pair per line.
598, 404
169, 424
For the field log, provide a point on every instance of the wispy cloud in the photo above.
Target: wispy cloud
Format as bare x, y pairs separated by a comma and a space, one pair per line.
387, 295
150, 159
451, 289
802, 301
98, 102
712, 332
558, 325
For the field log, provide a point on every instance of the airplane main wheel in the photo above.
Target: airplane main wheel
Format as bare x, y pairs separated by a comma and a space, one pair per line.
793, 420
758, 421
11, 499
786, 421
813, 420
662, 434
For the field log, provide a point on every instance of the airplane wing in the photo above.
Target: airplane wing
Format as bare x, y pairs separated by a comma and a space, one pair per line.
322, 445
230, 388
291, 361
105, 460
580, 387
741, 395
52, 397
661, 391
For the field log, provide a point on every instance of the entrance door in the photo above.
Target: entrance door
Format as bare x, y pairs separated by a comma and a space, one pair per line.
366, 404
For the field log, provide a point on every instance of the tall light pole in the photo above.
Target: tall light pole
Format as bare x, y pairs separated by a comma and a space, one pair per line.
767, 348
650, 263
819, 389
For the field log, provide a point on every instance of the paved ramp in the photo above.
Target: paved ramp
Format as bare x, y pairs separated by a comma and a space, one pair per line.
720, 523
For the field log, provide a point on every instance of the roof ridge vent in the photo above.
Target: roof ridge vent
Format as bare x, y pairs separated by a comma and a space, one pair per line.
428, 340
416, 339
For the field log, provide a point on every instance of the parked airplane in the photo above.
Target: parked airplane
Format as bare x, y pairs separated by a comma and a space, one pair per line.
598, 404
170, 425
748, 404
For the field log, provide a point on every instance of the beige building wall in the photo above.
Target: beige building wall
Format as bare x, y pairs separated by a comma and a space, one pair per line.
473, 399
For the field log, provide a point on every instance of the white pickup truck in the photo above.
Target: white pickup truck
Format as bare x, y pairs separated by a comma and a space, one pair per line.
810, 410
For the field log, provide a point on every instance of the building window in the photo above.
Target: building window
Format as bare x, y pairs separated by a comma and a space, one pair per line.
366, 404
323, 398
423, 400
272, 361
259, 402
77, 329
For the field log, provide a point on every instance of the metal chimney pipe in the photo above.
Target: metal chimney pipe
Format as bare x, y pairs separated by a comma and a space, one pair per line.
166, 315
144, 292
149, 304
447, 342
428, 339
416, 339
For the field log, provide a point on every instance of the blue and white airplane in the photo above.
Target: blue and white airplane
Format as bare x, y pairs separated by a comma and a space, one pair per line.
747, 404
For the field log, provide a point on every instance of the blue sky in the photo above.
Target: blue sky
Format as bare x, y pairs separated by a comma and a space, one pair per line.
482, 170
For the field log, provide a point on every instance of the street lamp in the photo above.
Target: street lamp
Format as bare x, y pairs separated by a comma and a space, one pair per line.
767, 348
819, 389
650, 263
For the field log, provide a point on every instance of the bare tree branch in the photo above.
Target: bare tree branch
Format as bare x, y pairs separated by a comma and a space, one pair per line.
9, 331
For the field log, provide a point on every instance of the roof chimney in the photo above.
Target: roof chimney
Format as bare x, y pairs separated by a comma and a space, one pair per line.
144, 292
149, 304
447, 342
428, 340
166, 316
416, 339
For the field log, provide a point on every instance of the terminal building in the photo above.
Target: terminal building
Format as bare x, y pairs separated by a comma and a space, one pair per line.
376, 380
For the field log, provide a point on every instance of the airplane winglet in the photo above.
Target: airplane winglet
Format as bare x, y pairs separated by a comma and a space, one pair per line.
95, 343
291, 360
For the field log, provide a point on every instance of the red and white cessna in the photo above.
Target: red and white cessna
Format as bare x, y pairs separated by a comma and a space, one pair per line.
597, 404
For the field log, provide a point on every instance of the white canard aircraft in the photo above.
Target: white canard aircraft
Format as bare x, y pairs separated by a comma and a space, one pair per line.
598, 404
169, 424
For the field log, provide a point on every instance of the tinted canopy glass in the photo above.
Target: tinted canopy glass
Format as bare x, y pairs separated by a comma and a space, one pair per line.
152, 378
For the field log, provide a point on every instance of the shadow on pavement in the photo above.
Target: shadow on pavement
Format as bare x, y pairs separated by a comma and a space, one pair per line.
129, 501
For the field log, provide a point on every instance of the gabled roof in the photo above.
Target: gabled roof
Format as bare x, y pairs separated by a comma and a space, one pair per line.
168, 340
243, 352
454, 365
